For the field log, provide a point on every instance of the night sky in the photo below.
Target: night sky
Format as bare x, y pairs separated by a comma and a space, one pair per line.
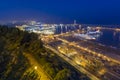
61, 11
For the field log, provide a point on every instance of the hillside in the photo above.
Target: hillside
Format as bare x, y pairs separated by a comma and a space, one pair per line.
23, 57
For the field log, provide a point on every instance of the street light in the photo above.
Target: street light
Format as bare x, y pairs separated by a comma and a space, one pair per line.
59, 47
35, 67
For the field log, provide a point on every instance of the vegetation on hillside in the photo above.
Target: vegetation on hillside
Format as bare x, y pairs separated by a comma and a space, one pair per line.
13, 64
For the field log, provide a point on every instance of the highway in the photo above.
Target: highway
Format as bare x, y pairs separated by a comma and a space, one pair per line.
94, 53
88, 50
109, 74
79, 68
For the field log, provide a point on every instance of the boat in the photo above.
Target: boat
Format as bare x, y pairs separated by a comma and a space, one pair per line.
94, 32
85, 36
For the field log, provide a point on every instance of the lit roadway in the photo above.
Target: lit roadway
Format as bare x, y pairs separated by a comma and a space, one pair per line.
91, 76
38, 68
92, 52
88, 50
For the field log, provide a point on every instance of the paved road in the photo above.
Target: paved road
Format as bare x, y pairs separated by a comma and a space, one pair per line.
40, 71
106, 57
74, 64
88, 50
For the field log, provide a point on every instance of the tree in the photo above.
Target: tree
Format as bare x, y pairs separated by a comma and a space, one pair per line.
2, 43
63, 75
49, 69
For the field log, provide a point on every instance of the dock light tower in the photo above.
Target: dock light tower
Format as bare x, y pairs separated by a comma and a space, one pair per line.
66, 28
61, 26
80, 26
75, 22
